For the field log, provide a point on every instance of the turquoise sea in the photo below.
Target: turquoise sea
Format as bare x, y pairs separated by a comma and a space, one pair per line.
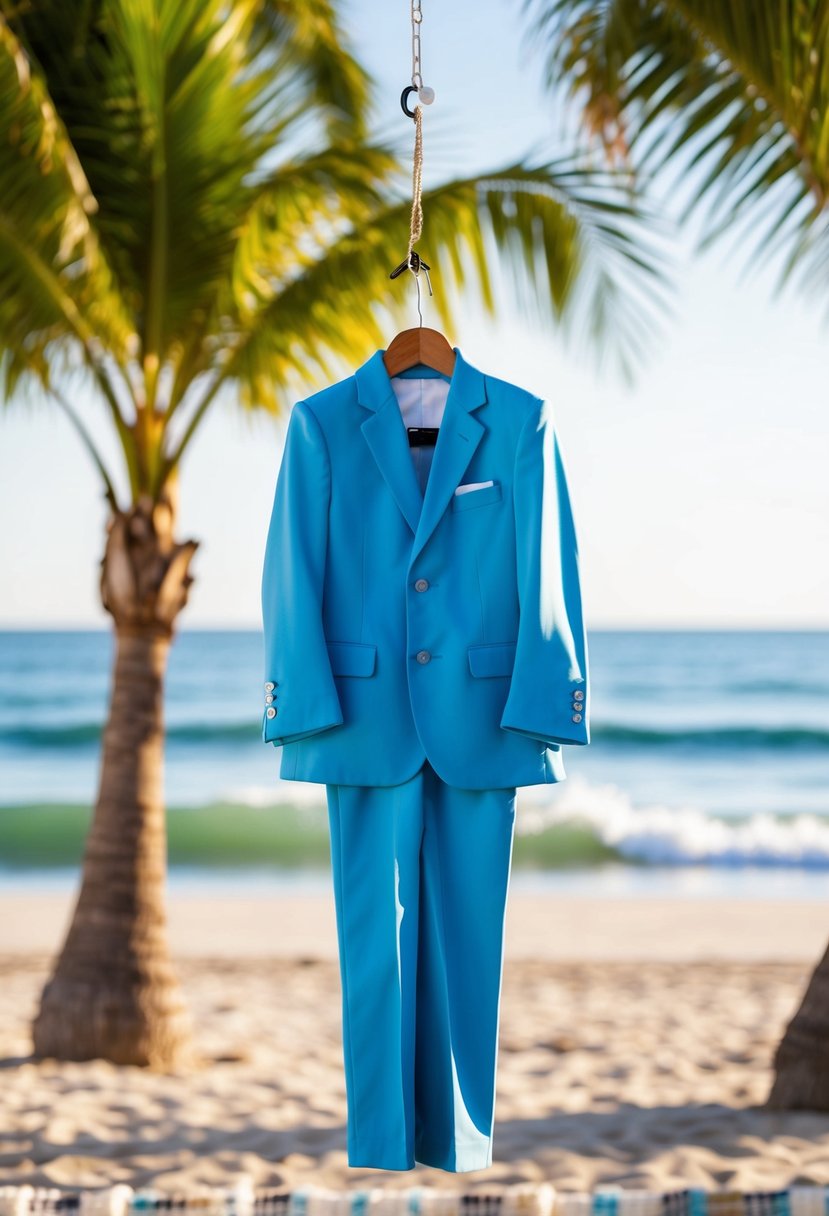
708, 771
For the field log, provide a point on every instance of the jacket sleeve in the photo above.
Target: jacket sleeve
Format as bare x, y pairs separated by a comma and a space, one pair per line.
548, 697
297, 667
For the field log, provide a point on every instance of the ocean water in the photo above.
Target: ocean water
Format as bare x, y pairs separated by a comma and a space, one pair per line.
708, 767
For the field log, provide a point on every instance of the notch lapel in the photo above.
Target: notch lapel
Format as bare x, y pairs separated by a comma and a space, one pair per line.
458, 437
386, 436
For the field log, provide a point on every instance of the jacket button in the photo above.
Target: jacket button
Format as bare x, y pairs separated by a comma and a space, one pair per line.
423, 656
422, 584
271, 712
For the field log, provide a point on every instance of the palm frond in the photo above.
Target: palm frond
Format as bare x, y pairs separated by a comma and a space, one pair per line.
577, 245
294, 213
737, 94
312, 42
54, 279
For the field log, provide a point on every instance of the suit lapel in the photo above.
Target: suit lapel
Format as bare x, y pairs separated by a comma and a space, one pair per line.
458, 437
386, 436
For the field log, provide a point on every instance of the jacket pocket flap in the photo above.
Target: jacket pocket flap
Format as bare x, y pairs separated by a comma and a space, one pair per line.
351, 658
492, 659
476, 498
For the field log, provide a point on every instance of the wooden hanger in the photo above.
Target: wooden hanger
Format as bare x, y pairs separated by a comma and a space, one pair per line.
420, 345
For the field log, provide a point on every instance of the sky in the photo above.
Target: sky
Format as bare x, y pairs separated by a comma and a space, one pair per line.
700, 491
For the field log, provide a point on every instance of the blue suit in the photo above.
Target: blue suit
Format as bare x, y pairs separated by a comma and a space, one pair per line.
425, 654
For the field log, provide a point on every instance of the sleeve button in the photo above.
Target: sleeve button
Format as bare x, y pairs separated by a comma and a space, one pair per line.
578, 695
271, 712
577, 717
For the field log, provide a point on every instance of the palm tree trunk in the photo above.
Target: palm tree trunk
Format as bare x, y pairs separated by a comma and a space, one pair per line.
113, 992
801, 1061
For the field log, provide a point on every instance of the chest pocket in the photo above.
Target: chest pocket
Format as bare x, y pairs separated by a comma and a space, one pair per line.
477, 498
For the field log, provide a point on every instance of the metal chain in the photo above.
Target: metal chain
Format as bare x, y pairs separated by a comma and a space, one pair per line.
417, 19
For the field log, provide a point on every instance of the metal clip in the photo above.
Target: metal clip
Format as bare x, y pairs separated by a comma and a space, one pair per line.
414, 263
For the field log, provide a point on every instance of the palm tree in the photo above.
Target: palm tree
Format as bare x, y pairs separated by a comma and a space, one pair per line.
736, 96
190, 207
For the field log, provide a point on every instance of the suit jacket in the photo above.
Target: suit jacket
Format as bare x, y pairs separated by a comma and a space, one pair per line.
401, 625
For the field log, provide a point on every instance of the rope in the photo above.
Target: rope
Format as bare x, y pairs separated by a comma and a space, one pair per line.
416, 226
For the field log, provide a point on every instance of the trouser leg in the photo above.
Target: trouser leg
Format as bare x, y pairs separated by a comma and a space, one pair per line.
375, 835
464, 873
421, 874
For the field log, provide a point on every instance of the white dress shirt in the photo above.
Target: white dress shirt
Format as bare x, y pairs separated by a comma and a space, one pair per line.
421, 402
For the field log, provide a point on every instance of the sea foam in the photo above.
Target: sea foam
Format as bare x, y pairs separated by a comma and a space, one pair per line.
675, 835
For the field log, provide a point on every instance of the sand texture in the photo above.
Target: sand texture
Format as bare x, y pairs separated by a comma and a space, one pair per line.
643, 1072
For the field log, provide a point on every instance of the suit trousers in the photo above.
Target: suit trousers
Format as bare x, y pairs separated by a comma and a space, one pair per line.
421, 876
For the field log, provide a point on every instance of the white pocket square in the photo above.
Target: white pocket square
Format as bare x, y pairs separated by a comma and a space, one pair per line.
473, 485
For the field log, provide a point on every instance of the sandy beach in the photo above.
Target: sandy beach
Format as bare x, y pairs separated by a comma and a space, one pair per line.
635, 1048
229, 922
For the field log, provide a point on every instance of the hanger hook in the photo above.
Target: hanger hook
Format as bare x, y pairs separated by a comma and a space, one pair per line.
416, 264
417, 281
